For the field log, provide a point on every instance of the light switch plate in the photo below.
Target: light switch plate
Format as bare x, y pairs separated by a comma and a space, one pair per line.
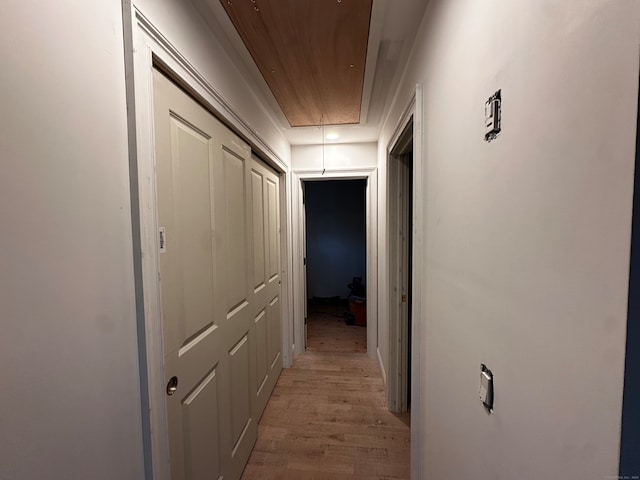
493, 116
486, 388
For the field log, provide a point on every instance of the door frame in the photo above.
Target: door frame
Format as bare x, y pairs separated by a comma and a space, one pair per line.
299, 278
147, 48
413, 111
397, 392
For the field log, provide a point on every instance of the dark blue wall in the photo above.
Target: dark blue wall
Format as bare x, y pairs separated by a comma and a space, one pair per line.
336, 236
630, 446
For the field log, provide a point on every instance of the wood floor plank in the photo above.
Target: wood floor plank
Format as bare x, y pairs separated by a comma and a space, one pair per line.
328, 417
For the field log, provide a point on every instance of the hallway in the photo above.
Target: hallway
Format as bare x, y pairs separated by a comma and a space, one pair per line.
327, 417
525, 228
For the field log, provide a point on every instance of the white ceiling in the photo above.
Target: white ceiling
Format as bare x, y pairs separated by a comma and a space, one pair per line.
393, 27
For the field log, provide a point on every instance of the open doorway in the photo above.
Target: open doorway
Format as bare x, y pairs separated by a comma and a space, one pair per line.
401, 195
630, 434
336, 263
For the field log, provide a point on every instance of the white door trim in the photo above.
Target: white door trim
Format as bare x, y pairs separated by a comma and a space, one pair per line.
144, 46
419, 306
371, 175
397, 187
414, 110
398, 333
419, 290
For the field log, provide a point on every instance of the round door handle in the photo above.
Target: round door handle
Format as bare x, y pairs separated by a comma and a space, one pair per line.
172, 386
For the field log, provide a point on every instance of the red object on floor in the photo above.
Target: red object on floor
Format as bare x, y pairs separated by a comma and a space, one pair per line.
358, 307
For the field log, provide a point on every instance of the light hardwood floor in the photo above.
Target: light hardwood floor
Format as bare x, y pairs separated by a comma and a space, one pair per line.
327, 417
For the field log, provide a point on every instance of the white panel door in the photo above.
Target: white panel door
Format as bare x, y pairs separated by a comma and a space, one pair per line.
267, 280
207, 283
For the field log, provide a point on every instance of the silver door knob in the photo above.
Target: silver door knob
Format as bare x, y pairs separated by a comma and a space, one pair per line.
172, 386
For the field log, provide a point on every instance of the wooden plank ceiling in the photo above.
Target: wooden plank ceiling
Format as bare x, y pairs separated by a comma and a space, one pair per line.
311, 53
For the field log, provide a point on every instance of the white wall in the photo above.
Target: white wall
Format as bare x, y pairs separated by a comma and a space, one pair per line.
527, 238
337, 156
69, 403
186, 29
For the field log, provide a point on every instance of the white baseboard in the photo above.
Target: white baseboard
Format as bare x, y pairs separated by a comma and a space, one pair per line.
382, 370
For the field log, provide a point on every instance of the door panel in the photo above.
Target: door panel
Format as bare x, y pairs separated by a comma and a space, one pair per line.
220, 286
235, 230
273, 341
273, 227
265, 187
192, 220
184, 154
259, 240
201, 439
261, 353
240, 393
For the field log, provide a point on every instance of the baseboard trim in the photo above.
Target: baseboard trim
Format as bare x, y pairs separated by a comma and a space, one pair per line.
382, 370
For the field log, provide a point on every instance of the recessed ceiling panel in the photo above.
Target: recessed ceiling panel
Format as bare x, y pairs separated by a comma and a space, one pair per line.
311, 53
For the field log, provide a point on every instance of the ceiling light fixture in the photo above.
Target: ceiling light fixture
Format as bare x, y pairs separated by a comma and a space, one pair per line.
332, 136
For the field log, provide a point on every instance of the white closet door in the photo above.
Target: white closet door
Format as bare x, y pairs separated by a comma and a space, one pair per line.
267, 280
207, 269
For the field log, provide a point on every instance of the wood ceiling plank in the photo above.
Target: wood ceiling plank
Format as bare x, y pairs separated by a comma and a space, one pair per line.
305, 50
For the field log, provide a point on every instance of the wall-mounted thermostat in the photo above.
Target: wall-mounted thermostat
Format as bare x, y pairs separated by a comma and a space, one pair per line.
493, 116
486, 387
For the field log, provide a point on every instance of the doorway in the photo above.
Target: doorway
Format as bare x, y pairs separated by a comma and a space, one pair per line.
335, 264
401, 195
630, 433
299, 179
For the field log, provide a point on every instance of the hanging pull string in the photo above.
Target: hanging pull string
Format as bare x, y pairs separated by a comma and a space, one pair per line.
322, 133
